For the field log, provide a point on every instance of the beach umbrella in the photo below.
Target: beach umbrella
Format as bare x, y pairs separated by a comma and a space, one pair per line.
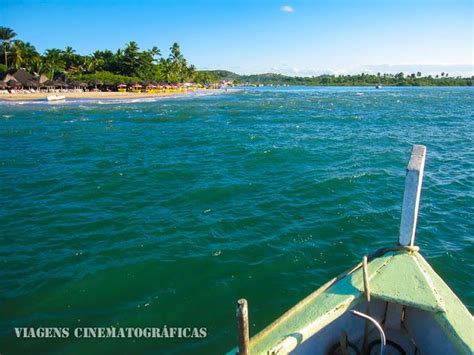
32, 83
13, 83
96, 82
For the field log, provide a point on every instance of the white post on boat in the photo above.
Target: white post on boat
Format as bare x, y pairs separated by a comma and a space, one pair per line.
243, 327
411, 197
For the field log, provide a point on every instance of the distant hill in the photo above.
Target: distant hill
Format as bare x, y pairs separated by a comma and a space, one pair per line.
362, 79
222, 74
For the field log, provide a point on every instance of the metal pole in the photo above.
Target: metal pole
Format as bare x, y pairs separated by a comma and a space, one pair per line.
383, 342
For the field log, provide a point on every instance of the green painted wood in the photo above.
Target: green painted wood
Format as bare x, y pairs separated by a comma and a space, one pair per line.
457, 321
404, 282
314, 313
399, 277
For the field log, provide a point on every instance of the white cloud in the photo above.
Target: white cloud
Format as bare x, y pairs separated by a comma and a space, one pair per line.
287, 8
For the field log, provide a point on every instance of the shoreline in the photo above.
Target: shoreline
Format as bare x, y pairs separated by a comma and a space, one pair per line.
42, 96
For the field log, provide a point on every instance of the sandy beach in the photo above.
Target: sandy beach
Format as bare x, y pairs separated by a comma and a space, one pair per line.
102, 95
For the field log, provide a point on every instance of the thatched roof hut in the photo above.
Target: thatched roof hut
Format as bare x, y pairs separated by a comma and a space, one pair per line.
9, 77
22, 76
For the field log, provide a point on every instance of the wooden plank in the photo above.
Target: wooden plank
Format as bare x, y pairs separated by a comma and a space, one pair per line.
411, 197
366, 279
243, 327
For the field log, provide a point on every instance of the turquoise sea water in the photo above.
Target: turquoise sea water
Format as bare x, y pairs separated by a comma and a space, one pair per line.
165, 213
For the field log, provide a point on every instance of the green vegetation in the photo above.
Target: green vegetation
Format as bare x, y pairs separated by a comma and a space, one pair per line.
125, 65
6, 35
131, 64
399, 79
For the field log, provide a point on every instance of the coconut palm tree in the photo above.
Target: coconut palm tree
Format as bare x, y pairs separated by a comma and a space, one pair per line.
22, 54
177, 65
71, 59
6, 35
191, 71
54, 61
38, 65
90, 64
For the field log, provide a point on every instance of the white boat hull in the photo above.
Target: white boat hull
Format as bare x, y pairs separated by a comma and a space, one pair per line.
56, 98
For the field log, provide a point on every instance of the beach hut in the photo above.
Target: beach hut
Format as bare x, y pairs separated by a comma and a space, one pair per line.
8, 78
23, 77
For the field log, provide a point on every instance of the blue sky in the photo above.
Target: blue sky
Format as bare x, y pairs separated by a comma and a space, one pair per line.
300, 37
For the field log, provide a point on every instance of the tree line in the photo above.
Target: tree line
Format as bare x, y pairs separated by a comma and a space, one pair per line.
133, 64
124, 65
399, 79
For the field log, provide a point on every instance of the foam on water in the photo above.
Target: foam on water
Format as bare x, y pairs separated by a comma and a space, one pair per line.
154, 212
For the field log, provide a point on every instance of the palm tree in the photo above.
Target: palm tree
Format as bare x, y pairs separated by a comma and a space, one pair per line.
69, 50
178, 65
130, 59
90, 64
38, 65
22, 54
191, 72
53, 61
155, 52
6, 35
71, 59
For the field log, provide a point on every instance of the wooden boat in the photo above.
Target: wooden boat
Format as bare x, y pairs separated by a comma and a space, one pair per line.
392, 302
56, 98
